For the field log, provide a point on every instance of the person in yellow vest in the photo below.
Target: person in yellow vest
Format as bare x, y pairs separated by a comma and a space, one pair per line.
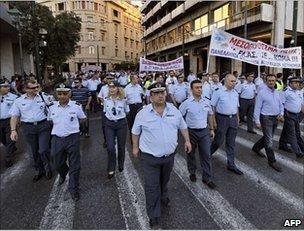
279, 86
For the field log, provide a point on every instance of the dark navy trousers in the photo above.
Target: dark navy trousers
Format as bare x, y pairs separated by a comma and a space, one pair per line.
5, 139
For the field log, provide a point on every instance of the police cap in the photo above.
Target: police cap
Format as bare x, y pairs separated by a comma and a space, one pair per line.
157, 87
294, 79
63, 88
114, 83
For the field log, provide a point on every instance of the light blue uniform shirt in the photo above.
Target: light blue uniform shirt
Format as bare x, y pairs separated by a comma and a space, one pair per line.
121, 108
92, 84
6, 104
206, 88
247, 90
196, 112
268, 102
225, 101
30, 110
123, 80
104, 92
191, 78
158, 134
65, 119
180, 91
292, 100
133, 93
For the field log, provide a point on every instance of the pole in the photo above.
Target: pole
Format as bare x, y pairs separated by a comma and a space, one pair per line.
245, 34
259, 71
20, 50
295, 23
36, 46
98, 56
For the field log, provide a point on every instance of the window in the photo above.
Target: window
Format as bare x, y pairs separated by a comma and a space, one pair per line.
125, 31
131, 32
136, 44
136, 36
201, 24
115, 13
61, 6
131, 43
83, 5
131, 55
91, 50
116, 28
126, 55
116, 52
116, 41
73, 5
103, 50
220, 14
102, 36
126, 42
91, 35
95, 6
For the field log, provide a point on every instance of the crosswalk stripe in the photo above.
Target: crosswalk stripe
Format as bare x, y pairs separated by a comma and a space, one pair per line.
59, 212
275, 137
221, 211
292, 164
275, 189
15, 170
132, 196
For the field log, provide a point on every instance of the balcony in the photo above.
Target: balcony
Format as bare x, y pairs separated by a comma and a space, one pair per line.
166, 19
261, 13
189, 4
179, 10
156, 25
156, 8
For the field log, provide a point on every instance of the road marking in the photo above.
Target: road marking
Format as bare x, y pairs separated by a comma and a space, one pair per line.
292, 164
132, 197
59, 212
221, 211
289, 198
17, 169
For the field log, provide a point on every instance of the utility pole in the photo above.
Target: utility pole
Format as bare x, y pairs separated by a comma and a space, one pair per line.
37, 62
295, 23
98, 55
245, 34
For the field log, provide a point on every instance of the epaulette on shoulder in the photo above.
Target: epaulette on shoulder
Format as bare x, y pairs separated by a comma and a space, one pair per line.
216, 89
77, 103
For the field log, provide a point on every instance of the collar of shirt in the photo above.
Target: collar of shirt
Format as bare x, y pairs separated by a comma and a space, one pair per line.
25, 96
166, 110
270, 90
191, 98
69, 104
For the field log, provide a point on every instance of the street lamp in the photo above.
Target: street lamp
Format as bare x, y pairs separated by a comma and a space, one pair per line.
15, 14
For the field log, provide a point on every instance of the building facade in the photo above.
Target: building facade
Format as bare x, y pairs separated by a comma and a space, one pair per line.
111, 31
174, 28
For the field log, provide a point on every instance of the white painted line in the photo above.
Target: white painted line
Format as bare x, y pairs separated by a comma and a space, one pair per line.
221, 211
132, 197
17, 169
259, 132
287, 162
59, 212
275, 190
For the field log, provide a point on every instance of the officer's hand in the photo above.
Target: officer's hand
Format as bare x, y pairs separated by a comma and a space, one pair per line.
135, 151
259, 126
212, 134
280, 119
14, 136
188, 147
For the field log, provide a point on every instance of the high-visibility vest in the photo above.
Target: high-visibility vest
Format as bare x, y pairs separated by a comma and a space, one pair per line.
279, 85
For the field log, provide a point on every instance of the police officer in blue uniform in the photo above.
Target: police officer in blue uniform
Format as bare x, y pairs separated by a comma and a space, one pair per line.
155, 133
32, 109
116, 110
292, 100
225, 102
179, 92
65, 115
197, 112
7, 100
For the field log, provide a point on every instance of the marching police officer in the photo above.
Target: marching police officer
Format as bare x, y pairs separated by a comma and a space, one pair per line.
32, 109
116, 110
154, 133
7, 100
134, 94
191, 77
92, 86
65, 138
292, 100
123, 79
225, 102
247, 91
215, 85
268, 111
180, 91
197, 112
206, 86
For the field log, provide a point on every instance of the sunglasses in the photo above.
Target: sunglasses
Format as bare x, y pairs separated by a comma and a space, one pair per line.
114, 111
32, 88
62, 93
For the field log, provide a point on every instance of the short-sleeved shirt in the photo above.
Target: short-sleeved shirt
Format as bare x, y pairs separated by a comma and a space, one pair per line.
115, 109
6, 104
30, 110
196, 112
92, 84
225, 101
180, 91
133, 93
65, 119
158, 134
123, 80
247, 90
104, 92
292, 100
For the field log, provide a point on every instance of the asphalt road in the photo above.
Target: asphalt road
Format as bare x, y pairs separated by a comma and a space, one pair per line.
260, 199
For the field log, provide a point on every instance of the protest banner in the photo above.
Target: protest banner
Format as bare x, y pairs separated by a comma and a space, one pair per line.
90, 68
149, 65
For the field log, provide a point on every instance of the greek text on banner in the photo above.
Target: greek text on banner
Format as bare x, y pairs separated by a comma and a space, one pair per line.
149, 65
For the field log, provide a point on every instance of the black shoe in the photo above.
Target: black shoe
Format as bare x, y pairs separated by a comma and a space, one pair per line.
235, 170
192, 177
275, 167
75, 196
121, 169
48, 175
61, 180
285, 148
105, 145
38, 177
258, 152
165, 202
210, 184
87, 135
110, 175
154, 222
252, 132
8, 163
300, 155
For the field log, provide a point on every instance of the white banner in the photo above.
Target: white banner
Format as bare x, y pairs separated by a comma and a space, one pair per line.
227, 45
280, 57
90, 68
149, 65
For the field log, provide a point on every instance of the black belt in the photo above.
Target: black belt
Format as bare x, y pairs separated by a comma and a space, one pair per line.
164, 156
197, 129
115, 121
270, 115
247, 99
35, 123
229, 116
135, 104
4, 119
